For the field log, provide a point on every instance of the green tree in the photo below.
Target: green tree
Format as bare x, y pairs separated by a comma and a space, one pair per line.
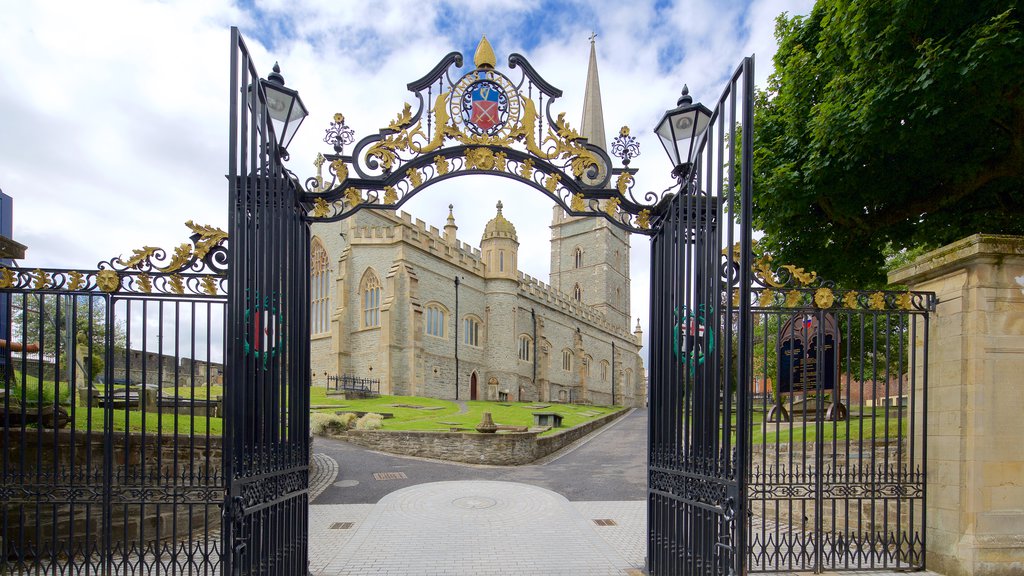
57, 321
889, 125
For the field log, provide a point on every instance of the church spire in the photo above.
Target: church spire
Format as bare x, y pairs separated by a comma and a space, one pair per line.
592, 125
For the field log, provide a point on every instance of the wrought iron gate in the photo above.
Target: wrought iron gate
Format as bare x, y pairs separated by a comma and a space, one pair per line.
266, 421
700, 338
109, 416
837, 466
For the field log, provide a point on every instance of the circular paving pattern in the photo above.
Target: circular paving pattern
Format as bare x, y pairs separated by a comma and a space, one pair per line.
474, 502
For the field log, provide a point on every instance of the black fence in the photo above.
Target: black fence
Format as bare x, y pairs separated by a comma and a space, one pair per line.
837, 467
355, 385
93, 478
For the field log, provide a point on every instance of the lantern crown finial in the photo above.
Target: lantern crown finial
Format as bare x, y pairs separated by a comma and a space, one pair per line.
484, 56
685, 97
275, 76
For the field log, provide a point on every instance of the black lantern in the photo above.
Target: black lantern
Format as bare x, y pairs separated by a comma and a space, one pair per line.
284, 106
680, 130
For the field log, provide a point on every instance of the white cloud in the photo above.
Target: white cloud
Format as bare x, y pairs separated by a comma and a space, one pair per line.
115, 114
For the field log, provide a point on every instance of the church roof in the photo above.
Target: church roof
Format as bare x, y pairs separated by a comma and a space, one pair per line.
592, 125
499, 227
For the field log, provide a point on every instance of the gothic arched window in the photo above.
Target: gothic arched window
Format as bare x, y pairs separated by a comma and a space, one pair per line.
319, 288
369, 288
578, 257
577, 293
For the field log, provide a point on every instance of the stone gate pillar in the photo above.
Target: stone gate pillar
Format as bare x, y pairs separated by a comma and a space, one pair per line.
975, 457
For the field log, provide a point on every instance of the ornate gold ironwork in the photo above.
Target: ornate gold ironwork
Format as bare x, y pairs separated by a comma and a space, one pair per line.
904, 301
611, 206
526, 169
42, 280
177, 284
415, 178
766, 298
577, 204
484, 56
441, 163
390, 195
850, 300
75, 279
340, 169
480, 159
320, 208
793, 298
824, 298
6, 278
108, 281
210, 286
623, 182
145, 283
551, 182
643, 220
353, 197
876, 301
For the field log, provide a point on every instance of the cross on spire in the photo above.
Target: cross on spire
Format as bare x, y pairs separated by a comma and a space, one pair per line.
592, 36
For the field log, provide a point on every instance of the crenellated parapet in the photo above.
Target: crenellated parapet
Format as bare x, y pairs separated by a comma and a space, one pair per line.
534, 289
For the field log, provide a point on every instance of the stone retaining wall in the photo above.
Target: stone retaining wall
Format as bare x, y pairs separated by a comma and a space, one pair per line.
502, 449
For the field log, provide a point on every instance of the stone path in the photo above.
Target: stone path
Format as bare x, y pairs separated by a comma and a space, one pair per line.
480, 528
323, 470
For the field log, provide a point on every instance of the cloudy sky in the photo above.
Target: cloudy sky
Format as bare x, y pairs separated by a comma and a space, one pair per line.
115, 121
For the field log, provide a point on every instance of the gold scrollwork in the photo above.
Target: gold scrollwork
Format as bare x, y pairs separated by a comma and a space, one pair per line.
210, 285
6, 278
563, 140
177, 284
643, 219
526, 169
903, 301
390, 195
76, 280
403, 119
500, 160
623, 182
138, 256
340, 170
876, 301
108, 281
441, 163
320, 208
182, 254
551, 182
415, 178
766, 298
824, 298
353, 197
611, 206
42, 279
577, 203
804, 278
850, 300
793, 298
209, 237
145, 283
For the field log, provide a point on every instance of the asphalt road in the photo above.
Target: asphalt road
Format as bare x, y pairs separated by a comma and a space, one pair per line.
609, 465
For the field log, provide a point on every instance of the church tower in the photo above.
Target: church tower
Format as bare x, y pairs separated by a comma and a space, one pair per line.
590, 256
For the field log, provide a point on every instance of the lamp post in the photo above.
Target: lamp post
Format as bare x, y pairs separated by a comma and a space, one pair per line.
456, 336
283, 105
680, 131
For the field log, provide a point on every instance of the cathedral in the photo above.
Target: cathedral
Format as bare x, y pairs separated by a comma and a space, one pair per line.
430, 315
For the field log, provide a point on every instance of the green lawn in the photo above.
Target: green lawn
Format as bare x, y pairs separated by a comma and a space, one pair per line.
416, 413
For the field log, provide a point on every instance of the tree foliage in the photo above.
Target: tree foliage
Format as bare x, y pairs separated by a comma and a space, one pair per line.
889, 125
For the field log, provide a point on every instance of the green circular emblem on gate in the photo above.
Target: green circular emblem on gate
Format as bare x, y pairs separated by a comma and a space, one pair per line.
264, 325
692, 340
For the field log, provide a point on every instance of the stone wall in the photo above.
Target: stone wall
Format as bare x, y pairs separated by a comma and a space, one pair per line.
502, 449
975, 507
64, 488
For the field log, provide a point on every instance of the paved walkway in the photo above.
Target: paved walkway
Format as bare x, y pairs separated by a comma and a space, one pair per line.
479, 528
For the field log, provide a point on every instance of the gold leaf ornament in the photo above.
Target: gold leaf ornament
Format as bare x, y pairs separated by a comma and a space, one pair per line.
850, 300
623, 182
415, 178
577, 203
320, 208
75, 280
6, 277
108, 281
499, 161
209, 237
526, 169
402, 121
390, 195
441, 163
551, 182
340, 169
353, 197
804, 278
643, 219
824, 298
876, 301
793, 298
42, 279
766, 298
139, 255
611, 206
145, 284
182, 255
210, 285
177, 284
903, 301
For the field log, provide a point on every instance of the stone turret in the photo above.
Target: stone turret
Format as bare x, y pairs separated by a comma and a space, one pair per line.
450, 228
500, 248
638, 333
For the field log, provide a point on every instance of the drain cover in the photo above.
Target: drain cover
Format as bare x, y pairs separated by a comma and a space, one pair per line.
342, 525
605, 522
346, 483
389, 475
474, 502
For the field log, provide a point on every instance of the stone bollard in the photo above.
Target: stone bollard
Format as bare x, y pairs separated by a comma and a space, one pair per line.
486, 426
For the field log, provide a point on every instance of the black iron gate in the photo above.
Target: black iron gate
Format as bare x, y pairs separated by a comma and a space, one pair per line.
700, 325
837, 459
110, 428
266, 421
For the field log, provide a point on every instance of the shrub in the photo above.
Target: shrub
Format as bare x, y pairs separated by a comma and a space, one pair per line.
323, 424
348, 419
370, 421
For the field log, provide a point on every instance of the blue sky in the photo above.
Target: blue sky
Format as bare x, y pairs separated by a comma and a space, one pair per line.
115, 112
